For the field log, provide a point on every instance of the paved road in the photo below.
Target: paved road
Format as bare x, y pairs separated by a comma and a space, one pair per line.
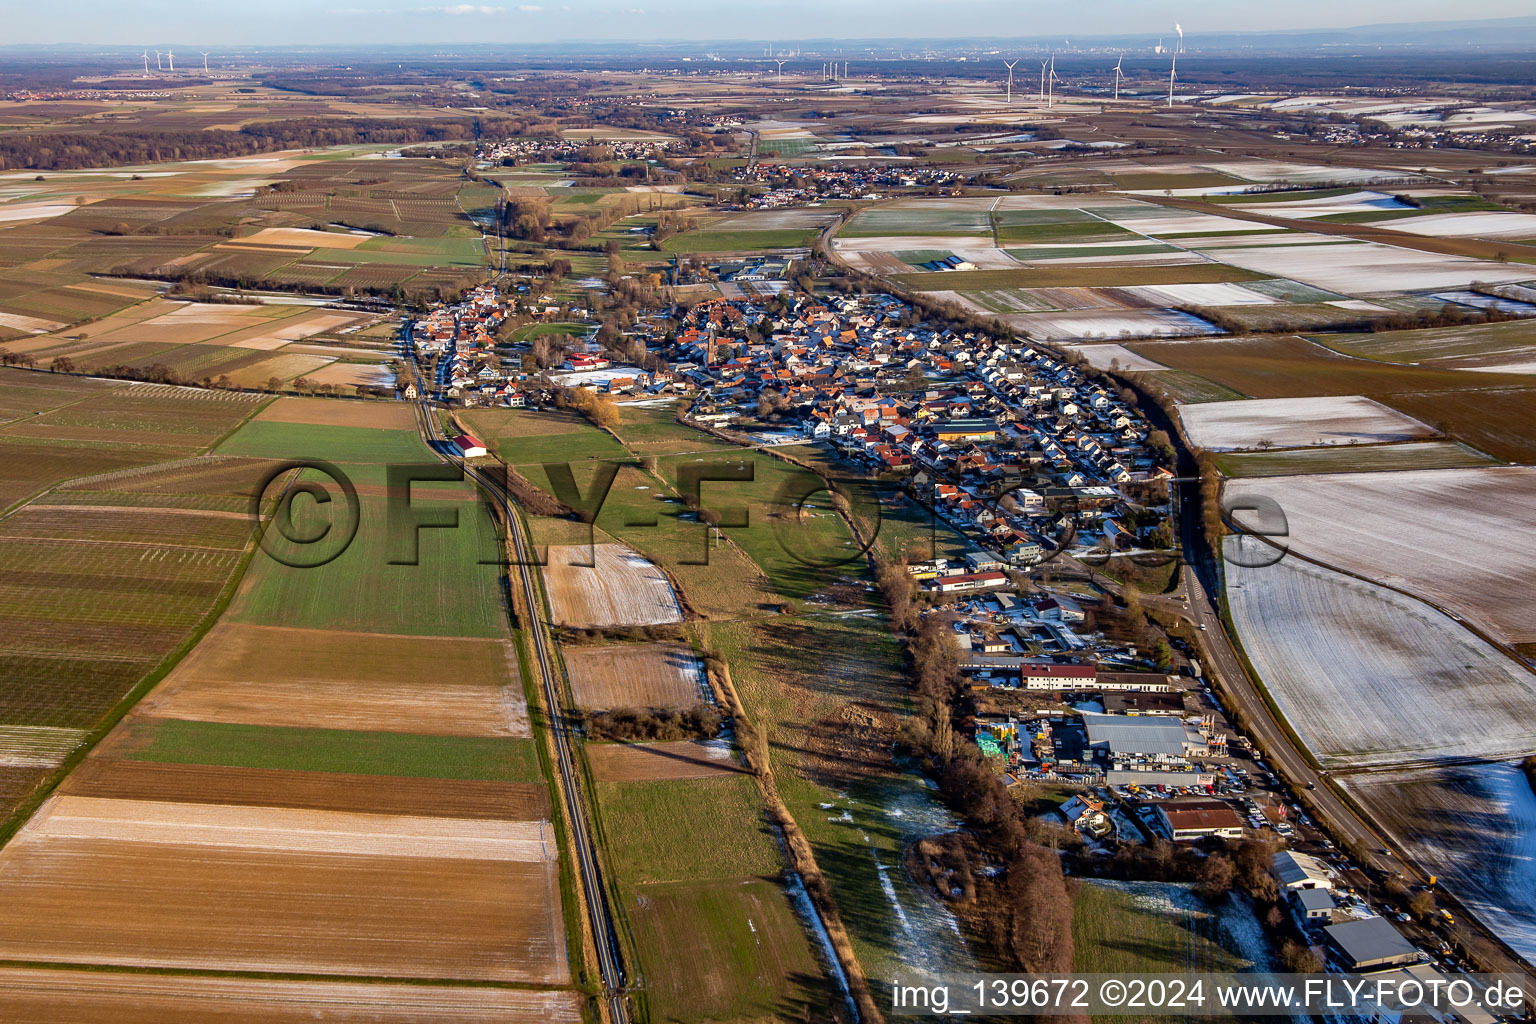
605, 935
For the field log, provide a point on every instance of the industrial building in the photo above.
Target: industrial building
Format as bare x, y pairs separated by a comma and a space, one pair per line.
1195, 819
1369, 944
1301, 871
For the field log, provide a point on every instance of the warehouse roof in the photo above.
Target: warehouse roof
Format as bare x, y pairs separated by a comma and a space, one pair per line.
1370, 940
1138, 734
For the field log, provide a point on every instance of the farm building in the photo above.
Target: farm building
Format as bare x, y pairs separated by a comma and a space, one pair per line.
1301, 871
1369, 944
1196, 819
469, 446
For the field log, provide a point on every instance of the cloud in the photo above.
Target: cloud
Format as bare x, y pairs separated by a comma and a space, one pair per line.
529, 8
461, 9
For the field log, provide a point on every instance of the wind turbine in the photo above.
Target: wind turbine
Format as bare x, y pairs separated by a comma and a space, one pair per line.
1118, 77
1042, 81
159, 64
170, 61
205, 60
1172, 71
146, 63
1050, 96
1009, 66
781, 64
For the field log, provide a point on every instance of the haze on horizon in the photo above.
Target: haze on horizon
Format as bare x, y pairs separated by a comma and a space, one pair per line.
378, 22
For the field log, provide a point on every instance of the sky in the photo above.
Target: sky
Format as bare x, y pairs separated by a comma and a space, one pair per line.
245, 24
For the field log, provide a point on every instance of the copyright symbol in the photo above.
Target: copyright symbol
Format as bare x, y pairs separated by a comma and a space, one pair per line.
308, 526
1112, 993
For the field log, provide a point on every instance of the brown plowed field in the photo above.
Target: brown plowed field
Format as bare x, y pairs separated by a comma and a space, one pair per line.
635, 676
622, 589
330, 413
213, 908
266, 675
287, 830
321, 791
33, 996
685, 759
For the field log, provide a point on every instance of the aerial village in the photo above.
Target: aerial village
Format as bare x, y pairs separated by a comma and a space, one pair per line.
1043, 471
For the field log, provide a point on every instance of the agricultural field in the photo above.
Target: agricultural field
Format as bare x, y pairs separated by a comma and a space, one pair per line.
310, 755
337, 680
1296, 422
1378, 458
1114, 357
1367, 676
114, 567
53, 996
759, 231
1489, 348
1151, 927
1454, 537
635, 676
241, 888
607, 585
650, 762
817, 687
327, 220
1474, 826
520, 437
716, 933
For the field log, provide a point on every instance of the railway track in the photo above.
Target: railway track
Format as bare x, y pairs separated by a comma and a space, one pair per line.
604, 933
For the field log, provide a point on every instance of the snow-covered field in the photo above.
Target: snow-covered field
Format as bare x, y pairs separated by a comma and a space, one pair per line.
1216, 294
1482, 224
1475, 827
1070, 325
1368, 676
1366, 268
1176, 223
1104, 357
1270, 171
1296, 422
1354, 202
1461, 538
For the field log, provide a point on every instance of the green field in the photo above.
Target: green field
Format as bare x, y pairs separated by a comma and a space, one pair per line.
1354, 459
332, 444
177, 741
710, 922
1147, 927
520, 437
726, 950
654, 430
640, 820
797, 677
448, 593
